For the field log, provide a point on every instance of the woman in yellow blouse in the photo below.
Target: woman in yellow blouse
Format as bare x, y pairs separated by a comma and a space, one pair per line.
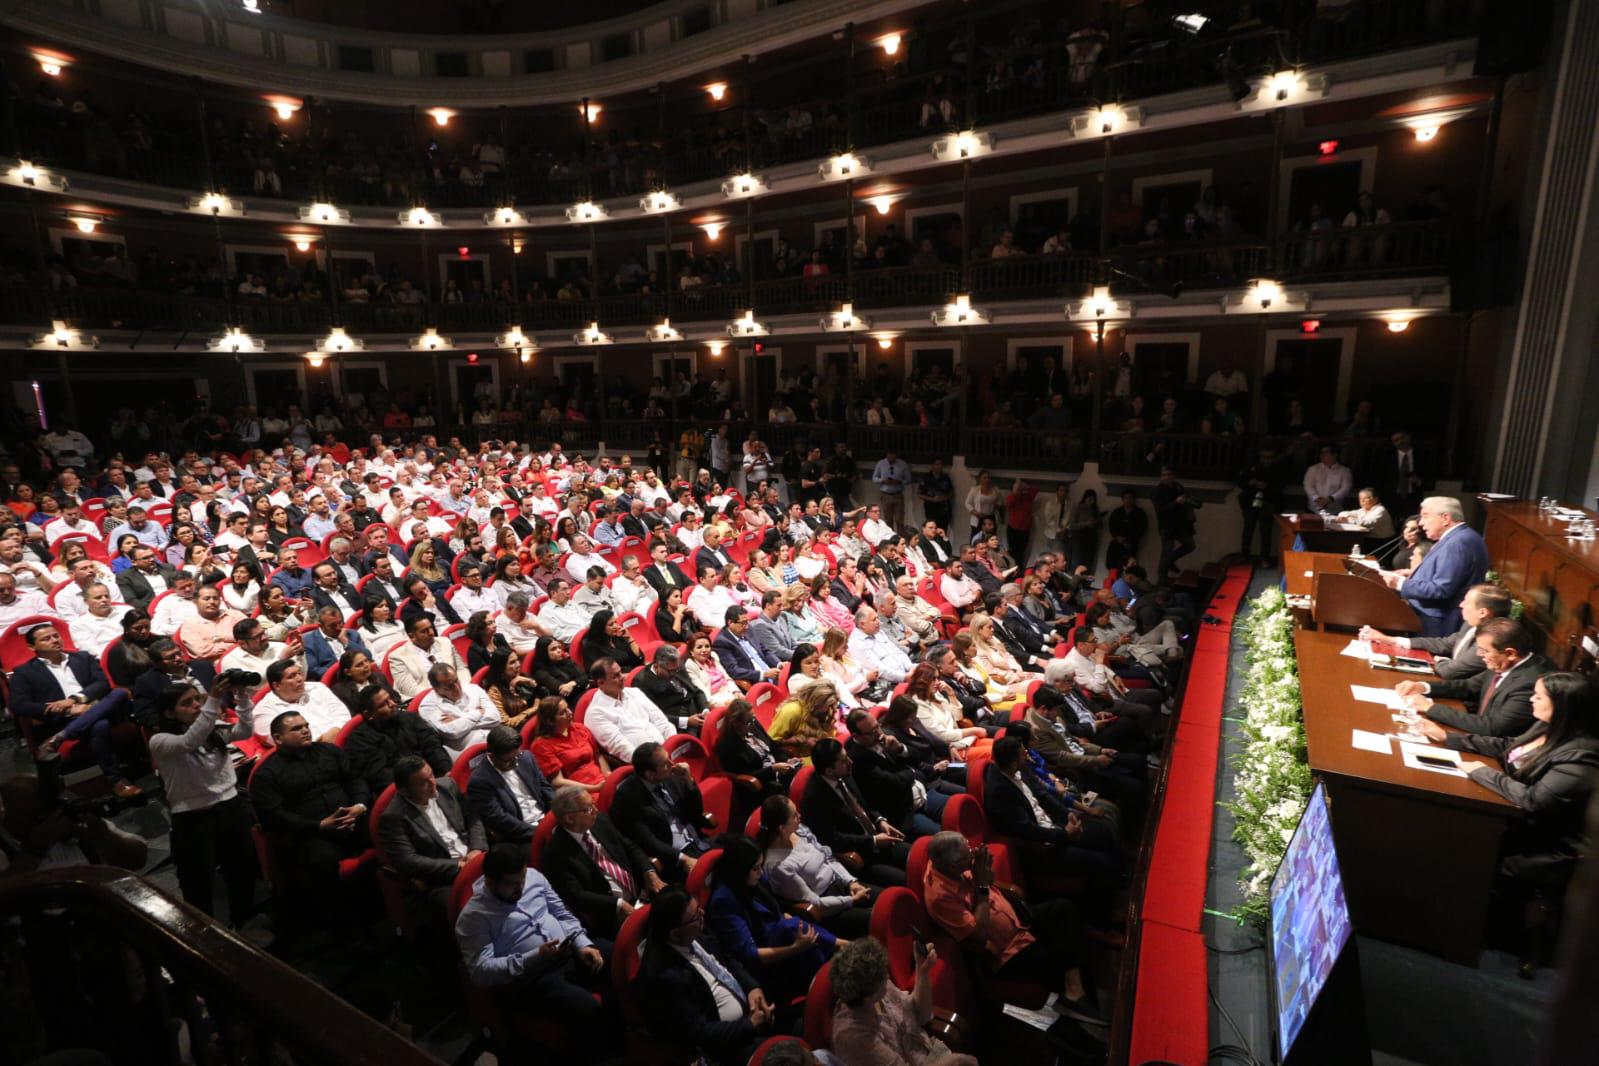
804, 719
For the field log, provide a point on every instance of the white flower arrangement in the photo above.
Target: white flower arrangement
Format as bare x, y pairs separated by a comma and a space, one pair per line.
1272, 780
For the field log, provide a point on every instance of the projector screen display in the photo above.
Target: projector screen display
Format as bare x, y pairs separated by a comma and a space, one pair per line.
1309, 919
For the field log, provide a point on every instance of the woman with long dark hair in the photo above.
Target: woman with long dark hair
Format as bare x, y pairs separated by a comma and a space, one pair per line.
605, 638
781, 951
565, 750
510, 692
484, 640
357, 672
556, 673
744, 747
803, 871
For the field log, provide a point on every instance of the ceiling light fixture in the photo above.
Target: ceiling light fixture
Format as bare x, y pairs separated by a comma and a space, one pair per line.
1426, 133
712, 230
419, 218
717, 89
513, 339
339, 341
882, 203
593, 111
315, 359
430, 341
746, 326
743, 185
284, 106
844, 165
844, 320
964, 145
252, 7
715, 347
85, 224
592, 335
303, 244
327, 214
441, 115
587, 211
885, 341
960, 312
1398, 323
890, 43
663, 332
52, 63
64, 338
235, 340
214, 203
659, 202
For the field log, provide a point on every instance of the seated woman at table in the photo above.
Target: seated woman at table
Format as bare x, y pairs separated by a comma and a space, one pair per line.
1550, 773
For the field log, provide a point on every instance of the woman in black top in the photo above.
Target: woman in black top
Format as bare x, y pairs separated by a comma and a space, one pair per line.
556, 673
605, 639
357, 672
129, 656
929, 754
674, 622
742, 747
483, 640
280, 528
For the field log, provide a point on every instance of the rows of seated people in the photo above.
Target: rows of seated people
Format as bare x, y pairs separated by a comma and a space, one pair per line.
557, 724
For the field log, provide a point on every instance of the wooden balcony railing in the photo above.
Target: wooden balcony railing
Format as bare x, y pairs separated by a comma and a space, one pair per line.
1403, 248
105, 960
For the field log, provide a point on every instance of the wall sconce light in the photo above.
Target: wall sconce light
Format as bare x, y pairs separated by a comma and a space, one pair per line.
715, 348
506, 215
659, 202
419, 218
63, 337
743, 185
592, 113
959, 312
327, 214
746, 326
844, 320
430, 341
966, 145
844, 165
214, 203
339, 341
592, 335
441, 116
712, 230
587, 211
717, 89
664, 332
890, 43
235, 340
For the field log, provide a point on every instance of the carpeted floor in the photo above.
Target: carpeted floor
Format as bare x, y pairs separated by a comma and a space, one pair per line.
1421, 1010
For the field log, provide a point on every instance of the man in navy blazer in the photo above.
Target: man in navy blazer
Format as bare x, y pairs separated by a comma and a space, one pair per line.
68, 694
1458, 560
325, 644
743, 659
510, 811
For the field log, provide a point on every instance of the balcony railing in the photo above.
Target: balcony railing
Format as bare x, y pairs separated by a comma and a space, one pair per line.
1365, 251
100, 959
1199, 456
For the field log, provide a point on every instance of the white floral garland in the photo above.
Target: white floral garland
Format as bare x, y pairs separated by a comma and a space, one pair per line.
1273, 780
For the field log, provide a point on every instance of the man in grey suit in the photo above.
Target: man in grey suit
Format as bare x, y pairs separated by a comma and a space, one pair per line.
1455, 656
767, 633
427, 833
1498, 700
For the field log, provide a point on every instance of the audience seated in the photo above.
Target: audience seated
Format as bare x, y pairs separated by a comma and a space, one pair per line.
67, 697
660, 808
836, 811
428, 832
600, 873
385, 734
781, 951
877, 1023
507, 789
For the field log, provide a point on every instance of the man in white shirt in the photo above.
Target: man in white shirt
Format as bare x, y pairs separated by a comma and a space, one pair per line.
537, 502
323, 711
71, 521
559, 615
232, 537
1327, 483
256, 653
629, 589
960, 590
710, 599
874, 650
70, 598
472, 597
409, 663
176, 609
30, 573
622, 718
100, 624
1371, 515
459, 711
520, 629
436, 526
919, 617
584, 556
874, 530
1226, 384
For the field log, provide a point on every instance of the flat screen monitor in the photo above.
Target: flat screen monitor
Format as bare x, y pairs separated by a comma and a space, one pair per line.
1310, 924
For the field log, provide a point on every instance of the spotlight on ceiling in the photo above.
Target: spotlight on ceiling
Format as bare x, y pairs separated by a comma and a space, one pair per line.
890, 43
441, 115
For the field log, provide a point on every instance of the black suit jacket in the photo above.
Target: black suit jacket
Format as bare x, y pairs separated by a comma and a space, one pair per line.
661, 584
410, 609
635, 527
1020, 641
415, 848
1010, 813
33, 685
147, 689
492, 799
885, 780
1449, 666
675, 696
738, 665
636, 812
830, 819
136, 589
678, 1005
1509, 710
580, 882
321, 598
704, 557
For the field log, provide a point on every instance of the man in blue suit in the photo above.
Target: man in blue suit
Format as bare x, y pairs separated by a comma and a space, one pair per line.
507, 790
327, 643
1458, 560
745, 662
68, 694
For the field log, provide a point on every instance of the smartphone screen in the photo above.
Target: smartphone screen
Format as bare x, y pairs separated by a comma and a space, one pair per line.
1433, 760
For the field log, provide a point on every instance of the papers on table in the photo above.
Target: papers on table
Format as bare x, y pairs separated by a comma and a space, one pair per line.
1387, 697
1365, 740
1427, 756
1357, 649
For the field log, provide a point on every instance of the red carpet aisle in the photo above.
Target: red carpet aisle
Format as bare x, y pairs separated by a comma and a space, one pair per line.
1171, 1012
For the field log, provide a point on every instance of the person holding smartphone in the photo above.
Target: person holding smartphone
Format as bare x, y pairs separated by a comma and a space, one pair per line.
876, 1023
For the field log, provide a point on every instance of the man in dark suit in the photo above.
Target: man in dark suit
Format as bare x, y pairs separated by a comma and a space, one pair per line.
683, 703
146, 579
633, 523
744, 661
385, 736
1458, 560
328, 590
660, 807
325, 644
1400, 477
427, 832
711, 552
837, 813
663, 574
384, 582
888, 779
1025, 643
683, 976
68, 696
259, 553
420, 600
170, 669
1499, 699
594, 867
1455, 656
1127, 525
507, 789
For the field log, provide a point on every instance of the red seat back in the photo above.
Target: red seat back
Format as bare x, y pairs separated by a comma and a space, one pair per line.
380, 805
897, 919
608, 790
698, 884
14, 650
576, 648
541, 839
916, 868
344, 736
461, 890
626, 956
461, 771
582, 707
819, 1008
796, 787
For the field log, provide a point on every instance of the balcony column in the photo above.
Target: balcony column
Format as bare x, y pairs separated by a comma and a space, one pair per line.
1547, 394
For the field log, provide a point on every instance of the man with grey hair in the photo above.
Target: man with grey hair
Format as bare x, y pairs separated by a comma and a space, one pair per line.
595, 867
1045, 949
919, 617
876, 650
459, 710
888, 618
1458, 560
665, 684
520, 629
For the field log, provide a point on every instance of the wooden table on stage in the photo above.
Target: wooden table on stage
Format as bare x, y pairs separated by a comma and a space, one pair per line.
1556, 579
1418, 850
1317, 535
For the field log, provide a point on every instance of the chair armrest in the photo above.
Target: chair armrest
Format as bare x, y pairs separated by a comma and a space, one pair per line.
852, 861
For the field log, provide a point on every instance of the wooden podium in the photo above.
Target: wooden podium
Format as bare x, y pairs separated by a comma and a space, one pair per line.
1341, 599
